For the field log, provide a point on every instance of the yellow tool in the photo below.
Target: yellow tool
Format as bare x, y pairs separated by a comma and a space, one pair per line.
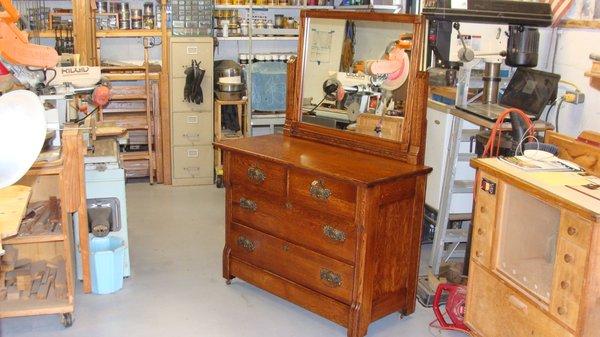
14, 44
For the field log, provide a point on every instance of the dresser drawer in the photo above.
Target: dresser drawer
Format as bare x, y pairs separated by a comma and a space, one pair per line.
326, 234
568, 282
267, 176
495, 310
193, 161
484, 220
323, 194
192, 128
303, 266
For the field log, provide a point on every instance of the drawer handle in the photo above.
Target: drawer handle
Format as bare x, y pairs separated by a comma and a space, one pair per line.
246, 243
334, 234
331, 278
565, 285
517, 303
480, 231
569, 258
318, 190
257, 175
248, 204
572, 231
482, 209
561, 311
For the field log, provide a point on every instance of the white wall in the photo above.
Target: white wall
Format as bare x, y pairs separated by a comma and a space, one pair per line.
571, 62
372, 38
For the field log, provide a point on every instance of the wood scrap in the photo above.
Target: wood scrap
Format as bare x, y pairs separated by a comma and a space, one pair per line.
60, 282
12, 294
7, 263
43, 217
2, 294
47, 282
24, 285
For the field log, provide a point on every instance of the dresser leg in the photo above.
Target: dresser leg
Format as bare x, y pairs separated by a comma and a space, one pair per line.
226, 274
357, 326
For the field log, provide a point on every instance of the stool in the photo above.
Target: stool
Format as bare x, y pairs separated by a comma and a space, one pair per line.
241, 115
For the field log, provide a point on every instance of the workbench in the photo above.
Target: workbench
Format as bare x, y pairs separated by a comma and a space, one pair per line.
61, 178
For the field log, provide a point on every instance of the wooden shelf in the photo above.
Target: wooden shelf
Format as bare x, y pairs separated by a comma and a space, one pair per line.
138, 155
589, 24
129, 33
34, 239
134, 97
264, 7
13, 202
130, 77
259, 38
43, 34
33, 306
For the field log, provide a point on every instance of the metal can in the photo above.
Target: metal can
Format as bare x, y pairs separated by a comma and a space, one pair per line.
148, 8
102, 6
136, 14
148, 21
136, 24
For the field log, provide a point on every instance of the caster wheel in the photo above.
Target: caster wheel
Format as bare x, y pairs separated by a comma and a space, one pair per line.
66, 320
228, 282
219, 182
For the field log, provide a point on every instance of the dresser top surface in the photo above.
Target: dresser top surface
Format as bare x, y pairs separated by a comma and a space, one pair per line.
330, 160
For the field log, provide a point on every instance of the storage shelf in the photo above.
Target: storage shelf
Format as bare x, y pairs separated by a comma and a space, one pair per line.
259, 38
130, 76
138, 155
33, 306
129, 33
42, 34
128, 97
34, 239
259, 7
585, 24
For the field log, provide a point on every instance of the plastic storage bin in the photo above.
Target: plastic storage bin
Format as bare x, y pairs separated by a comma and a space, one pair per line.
107, 259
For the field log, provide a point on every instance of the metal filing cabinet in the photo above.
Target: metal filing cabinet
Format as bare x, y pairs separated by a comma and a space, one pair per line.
192, 124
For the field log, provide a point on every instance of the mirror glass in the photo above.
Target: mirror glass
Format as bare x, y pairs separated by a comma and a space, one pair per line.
355, 75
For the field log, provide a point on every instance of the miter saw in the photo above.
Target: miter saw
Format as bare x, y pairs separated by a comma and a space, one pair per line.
369, 87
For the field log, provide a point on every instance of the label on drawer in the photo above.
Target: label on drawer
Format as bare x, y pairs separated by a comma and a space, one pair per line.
191, 119
193, 153
192, 50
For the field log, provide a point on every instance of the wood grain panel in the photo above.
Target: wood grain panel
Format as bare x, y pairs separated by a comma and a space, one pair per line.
274, 182
301, 226
342, 200
277, 256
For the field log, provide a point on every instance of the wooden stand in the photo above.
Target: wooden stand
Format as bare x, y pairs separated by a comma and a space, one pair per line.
63, 179
241, 116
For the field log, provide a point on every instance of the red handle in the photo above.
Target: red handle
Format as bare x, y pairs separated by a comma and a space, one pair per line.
436, 303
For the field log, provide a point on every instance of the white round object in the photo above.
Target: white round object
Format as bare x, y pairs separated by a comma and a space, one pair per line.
230, 80
538, 155
22, 134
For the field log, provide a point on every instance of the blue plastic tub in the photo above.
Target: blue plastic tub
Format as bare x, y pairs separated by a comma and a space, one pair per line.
107, 260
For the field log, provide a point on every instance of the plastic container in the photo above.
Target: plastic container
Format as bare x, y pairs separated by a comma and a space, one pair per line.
107, 264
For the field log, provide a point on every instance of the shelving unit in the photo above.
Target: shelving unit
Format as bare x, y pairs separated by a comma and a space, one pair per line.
63, 179
152, 113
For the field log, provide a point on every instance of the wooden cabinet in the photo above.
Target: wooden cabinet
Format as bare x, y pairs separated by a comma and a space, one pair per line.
535, 259
330, 233
192, 124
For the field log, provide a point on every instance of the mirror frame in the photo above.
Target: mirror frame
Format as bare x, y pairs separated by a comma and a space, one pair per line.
411, 148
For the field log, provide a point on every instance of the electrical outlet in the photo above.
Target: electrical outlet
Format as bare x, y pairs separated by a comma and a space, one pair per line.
574, 97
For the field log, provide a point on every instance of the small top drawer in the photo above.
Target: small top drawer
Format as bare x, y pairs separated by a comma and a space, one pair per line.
323, 193
182, 54
268, 176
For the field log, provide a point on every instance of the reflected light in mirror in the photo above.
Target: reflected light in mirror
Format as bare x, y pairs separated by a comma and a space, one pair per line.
355, 75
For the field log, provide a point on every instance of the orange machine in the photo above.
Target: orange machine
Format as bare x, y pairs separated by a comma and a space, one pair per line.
14, 44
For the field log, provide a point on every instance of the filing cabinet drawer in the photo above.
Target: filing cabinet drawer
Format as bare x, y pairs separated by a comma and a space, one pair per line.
495, 310
192, 128
567, 285
193, 161
484, 220
290, 261
250, 171
178, 104
320, 232
322, 194
182, 54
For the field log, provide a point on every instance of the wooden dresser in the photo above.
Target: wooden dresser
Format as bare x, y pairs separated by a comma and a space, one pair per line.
333, 230
328, 218
535, 258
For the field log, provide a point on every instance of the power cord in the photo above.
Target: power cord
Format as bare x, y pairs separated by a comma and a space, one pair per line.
316, 106
86, 116
562, 100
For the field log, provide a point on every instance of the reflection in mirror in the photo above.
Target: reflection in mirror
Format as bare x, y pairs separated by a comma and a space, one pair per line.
355, 75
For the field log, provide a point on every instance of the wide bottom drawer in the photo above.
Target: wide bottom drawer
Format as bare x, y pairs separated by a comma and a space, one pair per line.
309, 299
495, 310
295, 263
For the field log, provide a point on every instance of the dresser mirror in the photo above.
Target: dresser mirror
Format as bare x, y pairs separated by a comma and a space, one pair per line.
357, 82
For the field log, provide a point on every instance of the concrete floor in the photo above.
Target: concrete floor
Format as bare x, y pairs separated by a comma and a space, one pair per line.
176, 289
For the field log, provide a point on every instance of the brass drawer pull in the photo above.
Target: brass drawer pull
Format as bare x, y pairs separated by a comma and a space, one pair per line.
572, 231
256, 175
569, 258
331, 278
334, 234
318, 191
246, 243
248, 204
561, 311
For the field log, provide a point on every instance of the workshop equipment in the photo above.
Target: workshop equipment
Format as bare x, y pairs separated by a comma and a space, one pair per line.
454, 307
14, 44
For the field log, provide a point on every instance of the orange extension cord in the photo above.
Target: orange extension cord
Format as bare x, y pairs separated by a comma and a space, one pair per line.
491, 149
